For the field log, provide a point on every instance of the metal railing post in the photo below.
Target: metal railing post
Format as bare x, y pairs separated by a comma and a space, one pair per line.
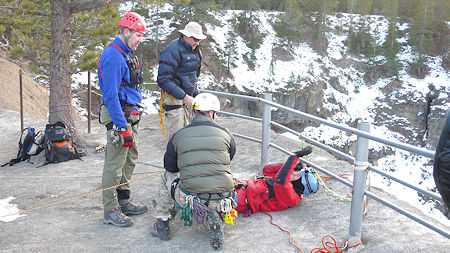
266, 131
359, 185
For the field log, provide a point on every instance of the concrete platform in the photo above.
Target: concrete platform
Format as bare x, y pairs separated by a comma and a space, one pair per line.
76, 225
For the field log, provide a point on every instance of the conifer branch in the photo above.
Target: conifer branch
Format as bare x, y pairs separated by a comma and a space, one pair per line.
81, 5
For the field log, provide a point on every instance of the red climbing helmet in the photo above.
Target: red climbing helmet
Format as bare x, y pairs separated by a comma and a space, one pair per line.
133, 21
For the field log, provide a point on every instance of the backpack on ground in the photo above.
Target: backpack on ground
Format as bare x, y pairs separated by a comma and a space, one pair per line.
30, 144
58, 144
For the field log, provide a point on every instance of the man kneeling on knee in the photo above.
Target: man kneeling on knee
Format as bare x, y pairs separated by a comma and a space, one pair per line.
197, 163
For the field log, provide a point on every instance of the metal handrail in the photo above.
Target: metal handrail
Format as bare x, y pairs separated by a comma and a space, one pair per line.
360, 165
404, 146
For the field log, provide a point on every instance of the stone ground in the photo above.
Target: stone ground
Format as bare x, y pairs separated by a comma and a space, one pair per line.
76, 225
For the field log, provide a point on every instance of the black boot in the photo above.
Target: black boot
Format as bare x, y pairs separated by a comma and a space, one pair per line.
161, 229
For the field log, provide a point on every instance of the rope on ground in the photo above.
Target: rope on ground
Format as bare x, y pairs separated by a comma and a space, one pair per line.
330, 246
319, 178
81, 196
290, 236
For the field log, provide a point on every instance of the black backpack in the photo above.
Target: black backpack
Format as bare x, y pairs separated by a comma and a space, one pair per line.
30, 144
58, 144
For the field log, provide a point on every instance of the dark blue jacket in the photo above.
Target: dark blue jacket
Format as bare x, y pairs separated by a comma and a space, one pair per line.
112, 70
441, 171
179, 67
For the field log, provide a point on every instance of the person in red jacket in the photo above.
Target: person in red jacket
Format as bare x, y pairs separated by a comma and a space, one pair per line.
281, 187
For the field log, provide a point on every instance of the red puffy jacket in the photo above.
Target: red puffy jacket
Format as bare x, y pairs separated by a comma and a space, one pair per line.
273, 192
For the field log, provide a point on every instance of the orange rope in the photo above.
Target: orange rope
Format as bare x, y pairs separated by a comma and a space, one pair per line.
290, 236
328, 246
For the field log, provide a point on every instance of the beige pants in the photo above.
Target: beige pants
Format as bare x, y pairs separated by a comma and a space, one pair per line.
175, 119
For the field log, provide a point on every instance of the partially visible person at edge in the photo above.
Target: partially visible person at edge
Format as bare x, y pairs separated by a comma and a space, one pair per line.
197, 163
281, 187
441, 168
120, 80
179, 68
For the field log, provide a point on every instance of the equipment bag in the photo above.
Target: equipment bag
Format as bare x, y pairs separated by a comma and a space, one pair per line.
59, 146
30, 143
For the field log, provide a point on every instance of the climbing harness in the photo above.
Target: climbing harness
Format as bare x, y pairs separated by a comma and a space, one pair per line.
136, 77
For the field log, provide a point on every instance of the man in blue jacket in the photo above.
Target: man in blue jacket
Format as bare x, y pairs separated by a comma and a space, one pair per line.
120, 80
179, 68
441, 171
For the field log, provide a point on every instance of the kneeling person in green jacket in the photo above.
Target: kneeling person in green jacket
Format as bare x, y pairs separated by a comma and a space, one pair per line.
197, 163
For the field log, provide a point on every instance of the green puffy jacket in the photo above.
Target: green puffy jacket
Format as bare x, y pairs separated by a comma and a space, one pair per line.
202, 152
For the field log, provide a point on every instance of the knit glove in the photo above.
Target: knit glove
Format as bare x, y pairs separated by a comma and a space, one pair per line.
127, 138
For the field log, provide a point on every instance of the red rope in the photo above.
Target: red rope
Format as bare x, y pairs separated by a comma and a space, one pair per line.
331, 246
328, 246
290, 236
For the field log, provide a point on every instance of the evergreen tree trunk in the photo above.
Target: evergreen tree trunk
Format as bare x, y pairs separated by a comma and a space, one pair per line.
60, 102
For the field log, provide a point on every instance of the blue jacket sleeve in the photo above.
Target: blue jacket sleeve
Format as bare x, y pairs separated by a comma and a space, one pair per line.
169, 60
113, 67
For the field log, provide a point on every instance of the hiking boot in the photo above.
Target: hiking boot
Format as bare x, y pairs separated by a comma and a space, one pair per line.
161, 229
129, 208
216, 230
117, 218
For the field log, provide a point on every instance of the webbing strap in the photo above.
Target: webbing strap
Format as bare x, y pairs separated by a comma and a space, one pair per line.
230, 194
160, 112
161, 106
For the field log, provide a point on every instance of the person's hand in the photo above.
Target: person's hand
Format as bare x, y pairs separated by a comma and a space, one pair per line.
188, 100
127, 138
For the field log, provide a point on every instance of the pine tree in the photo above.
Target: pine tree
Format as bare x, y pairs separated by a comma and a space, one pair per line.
41, 31
288, 26
230, 44
391, 46
421, 32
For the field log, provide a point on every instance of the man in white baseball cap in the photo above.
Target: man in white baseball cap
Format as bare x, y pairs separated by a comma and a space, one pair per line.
179, 68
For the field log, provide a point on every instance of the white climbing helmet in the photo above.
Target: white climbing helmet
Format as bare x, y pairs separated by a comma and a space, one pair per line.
206, 102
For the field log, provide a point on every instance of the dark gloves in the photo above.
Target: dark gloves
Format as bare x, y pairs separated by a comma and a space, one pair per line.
303, 152
127, 137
